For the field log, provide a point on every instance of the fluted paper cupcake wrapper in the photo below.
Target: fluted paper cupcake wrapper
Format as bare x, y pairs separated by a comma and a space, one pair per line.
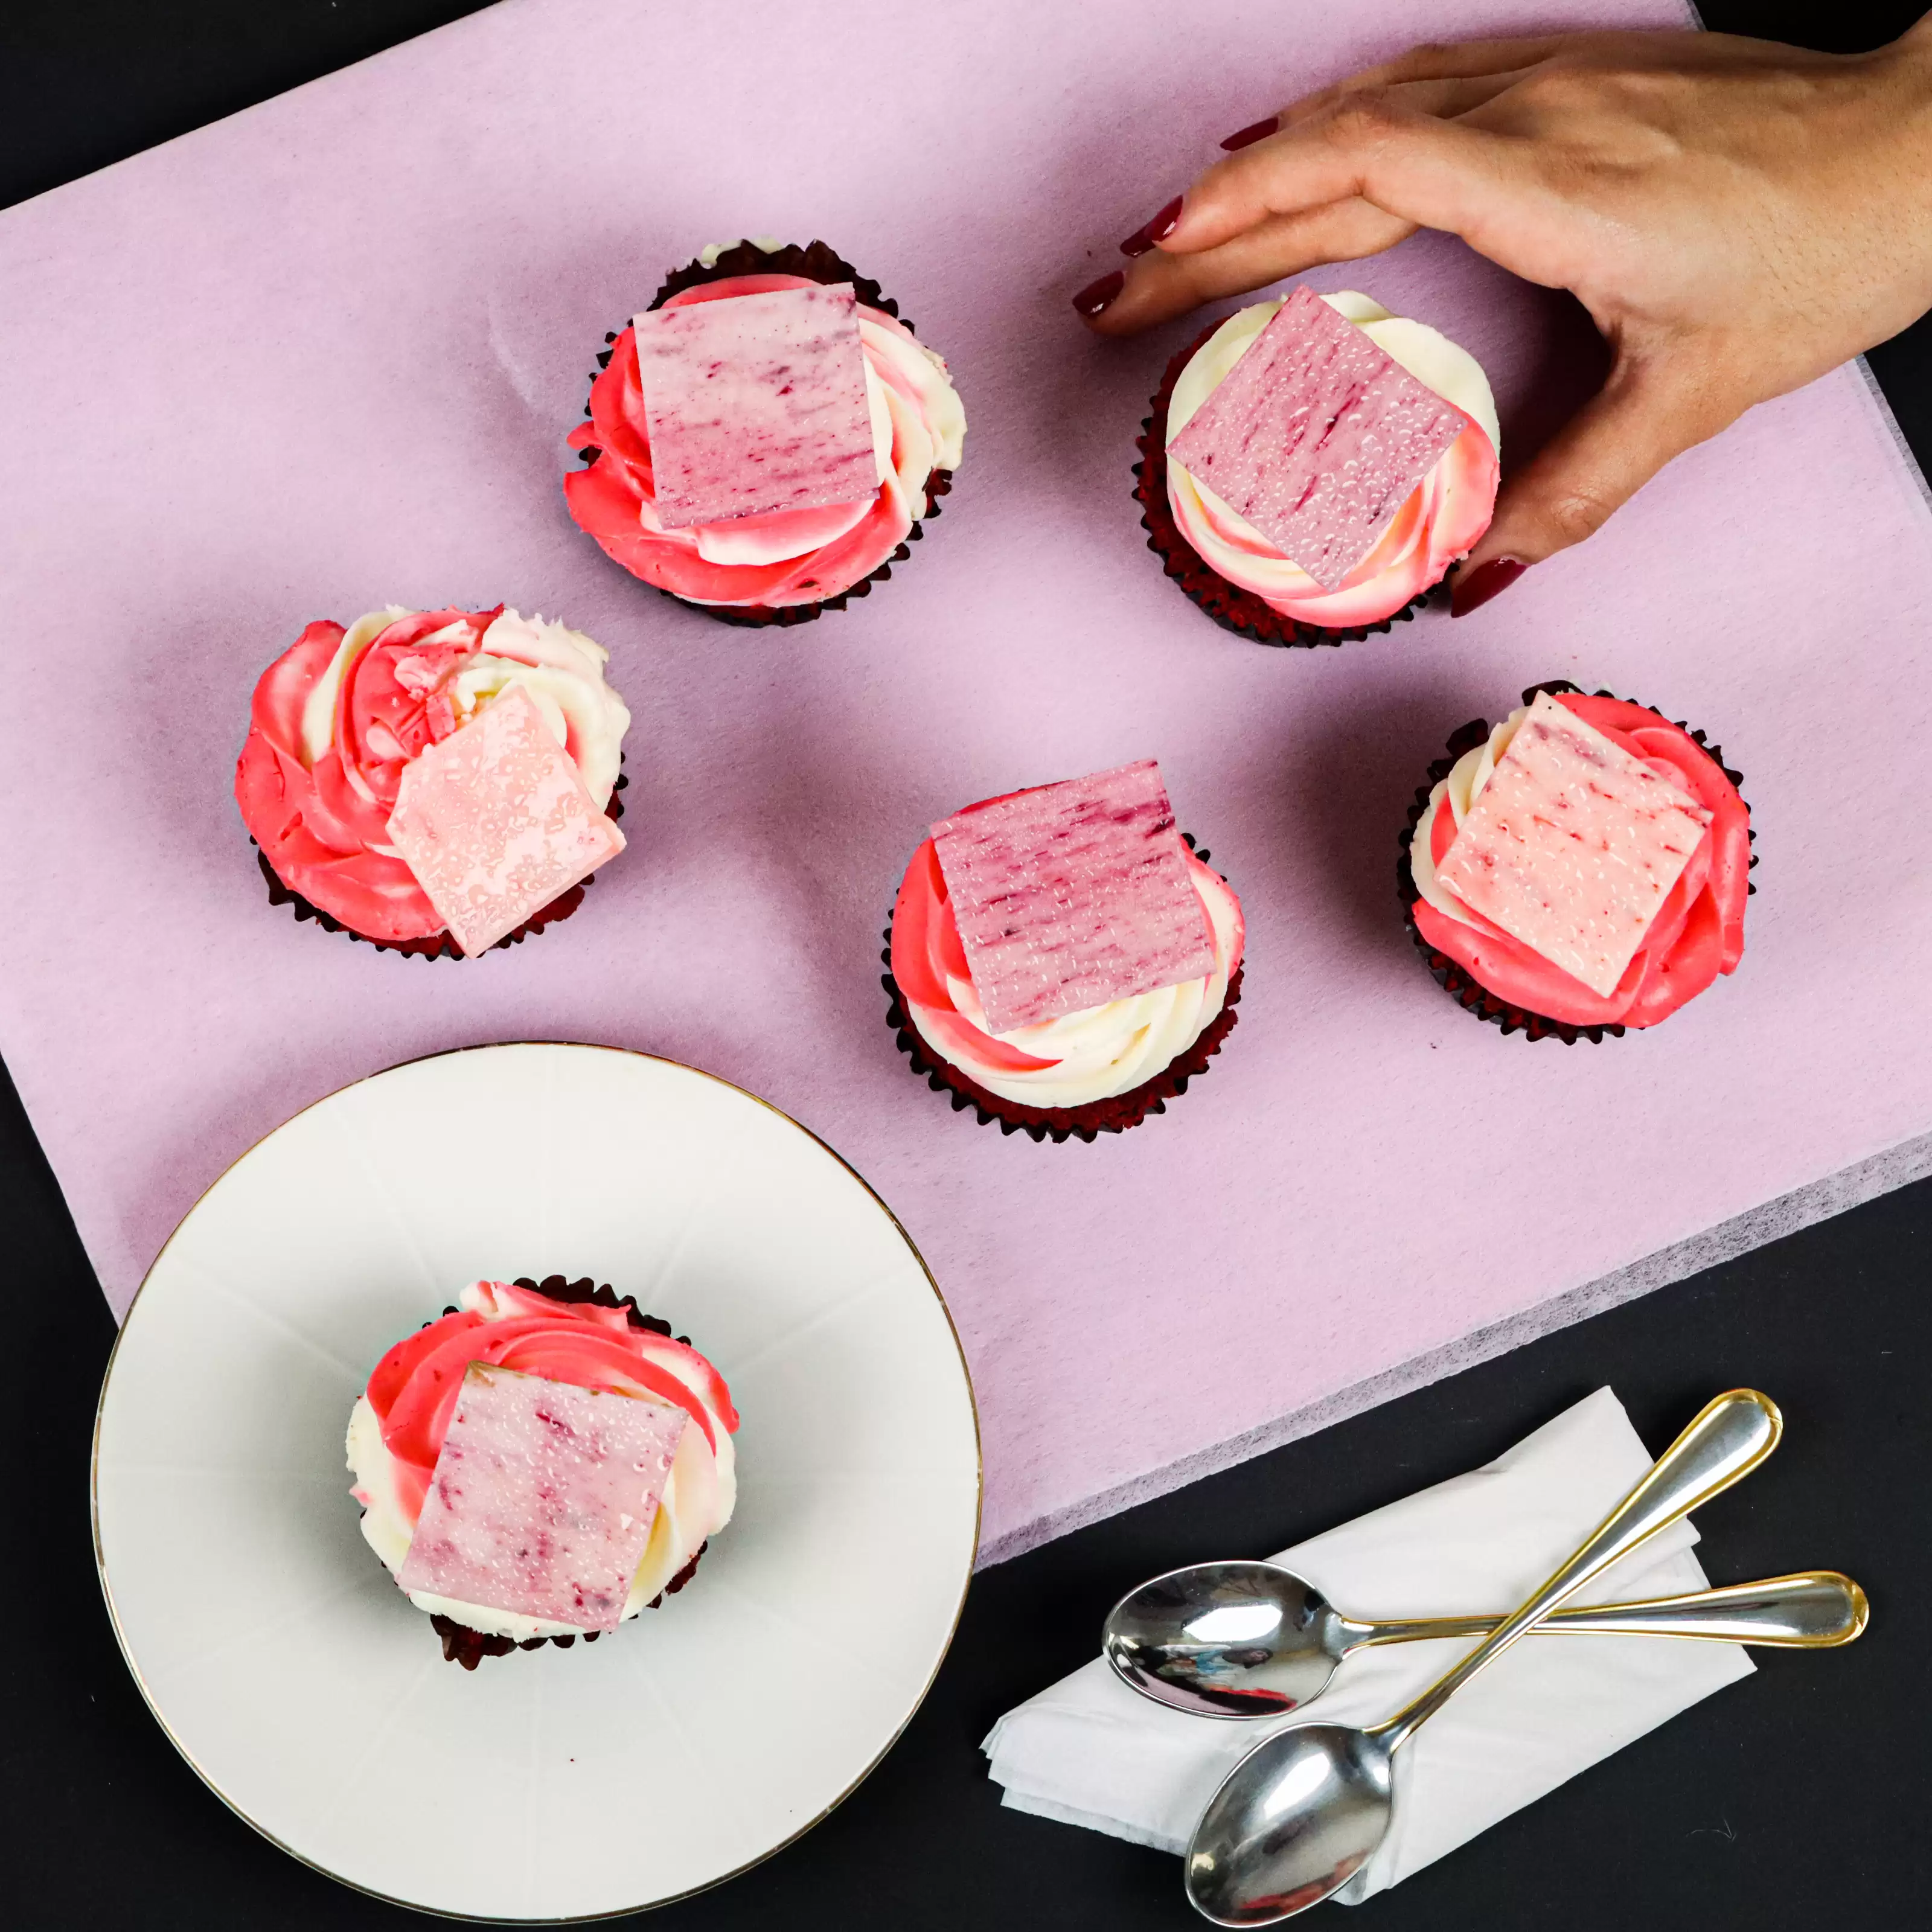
1455, 979
1233, 608
438, 945
1058, 1124
818, 263
462, 1645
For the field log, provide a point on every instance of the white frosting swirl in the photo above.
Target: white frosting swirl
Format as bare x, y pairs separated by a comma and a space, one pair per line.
562, 669
1463, 786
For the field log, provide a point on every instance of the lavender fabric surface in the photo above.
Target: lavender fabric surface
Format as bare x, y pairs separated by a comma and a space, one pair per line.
324, 355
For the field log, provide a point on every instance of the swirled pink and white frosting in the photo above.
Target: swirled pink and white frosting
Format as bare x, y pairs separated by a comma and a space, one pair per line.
338, 716
1094, 1054
1698, 932
1444, 516
397, 1427
787, 556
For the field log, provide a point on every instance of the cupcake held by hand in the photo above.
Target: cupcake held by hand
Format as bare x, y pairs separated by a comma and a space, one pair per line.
765, 439
1061, 960
1314, 465
541, 1464
1583, 868
436, 782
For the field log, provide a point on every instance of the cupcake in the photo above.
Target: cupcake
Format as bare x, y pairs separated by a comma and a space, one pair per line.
1581, 868
1061, 959
436, 782
1314, 465
541, 1463
764, 440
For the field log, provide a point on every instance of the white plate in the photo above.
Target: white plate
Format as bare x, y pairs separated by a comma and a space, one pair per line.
553, 1784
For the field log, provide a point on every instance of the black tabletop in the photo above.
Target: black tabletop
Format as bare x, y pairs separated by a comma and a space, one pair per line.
1789, 1800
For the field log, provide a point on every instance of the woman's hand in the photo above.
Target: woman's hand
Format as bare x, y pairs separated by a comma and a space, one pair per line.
1737, 216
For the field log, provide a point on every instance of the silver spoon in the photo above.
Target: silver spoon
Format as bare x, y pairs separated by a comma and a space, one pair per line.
1303, 1812
1252, 1639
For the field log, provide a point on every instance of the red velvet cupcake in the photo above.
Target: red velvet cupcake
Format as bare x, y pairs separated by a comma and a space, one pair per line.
1061, 960
1248, 582
572, 1341
783, 566
1583, 868
344, 718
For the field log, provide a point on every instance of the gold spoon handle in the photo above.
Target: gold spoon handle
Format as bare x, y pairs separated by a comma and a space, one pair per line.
1727, 1439
1814, 1609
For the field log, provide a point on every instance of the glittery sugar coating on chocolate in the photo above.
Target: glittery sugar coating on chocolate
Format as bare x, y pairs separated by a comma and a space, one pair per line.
496, 820
1317, 436
755, 403
1573, 845
1072, 895
542, 1498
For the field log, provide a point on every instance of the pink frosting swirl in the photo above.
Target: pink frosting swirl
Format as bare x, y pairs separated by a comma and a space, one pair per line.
414, 1387
318, 775
788, 557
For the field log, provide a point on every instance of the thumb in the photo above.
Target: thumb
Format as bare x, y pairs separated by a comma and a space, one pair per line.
1650, 410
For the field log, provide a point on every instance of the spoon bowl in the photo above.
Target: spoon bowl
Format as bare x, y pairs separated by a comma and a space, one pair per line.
1307, 1816
1234, 1639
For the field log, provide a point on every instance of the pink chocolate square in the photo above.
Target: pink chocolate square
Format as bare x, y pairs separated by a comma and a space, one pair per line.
1317, 436
542, 1498
1071, 895
755, 403
1573, 845
496, 820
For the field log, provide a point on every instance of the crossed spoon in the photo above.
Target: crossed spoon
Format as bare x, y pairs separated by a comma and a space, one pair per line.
1301, 1814
1250, 1639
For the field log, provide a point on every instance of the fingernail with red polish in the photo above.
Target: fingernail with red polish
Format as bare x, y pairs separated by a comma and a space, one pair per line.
1486, 580
1096, 295
1258, 130
1158, 230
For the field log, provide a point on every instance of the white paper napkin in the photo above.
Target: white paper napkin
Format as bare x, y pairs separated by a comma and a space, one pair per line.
1089, 1751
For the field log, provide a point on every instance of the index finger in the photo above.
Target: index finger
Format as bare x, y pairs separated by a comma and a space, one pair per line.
1406, 161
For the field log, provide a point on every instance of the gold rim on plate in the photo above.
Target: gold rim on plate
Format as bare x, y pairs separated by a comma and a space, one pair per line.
618, 1911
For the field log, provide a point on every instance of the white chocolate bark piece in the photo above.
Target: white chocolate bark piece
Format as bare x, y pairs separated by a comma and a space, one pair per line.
1573, 845
1072, 895
756, 403
542, 1498
1317, 437
495, 821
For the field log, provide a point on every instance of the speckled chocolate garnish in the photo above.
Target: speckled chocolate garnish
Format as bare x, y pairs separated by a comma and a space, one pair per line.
1058, 1124
1451, 975
462, 1645
438, 945
1231, 606
819, 263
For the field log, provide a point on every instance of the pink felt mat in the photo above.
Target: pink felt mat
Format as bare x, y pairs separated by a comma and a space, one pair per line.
323, 355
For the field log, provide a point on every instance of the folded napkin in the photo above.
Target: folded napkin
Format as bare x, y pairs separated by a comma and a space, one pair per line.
1089, 1751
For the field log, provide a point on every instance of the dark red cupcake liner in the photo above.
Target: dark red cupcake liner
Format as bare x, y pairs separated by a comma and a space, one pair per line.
1058, 1124
1230, 606
462, 1645
819, 263
1455, 979
438, 945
